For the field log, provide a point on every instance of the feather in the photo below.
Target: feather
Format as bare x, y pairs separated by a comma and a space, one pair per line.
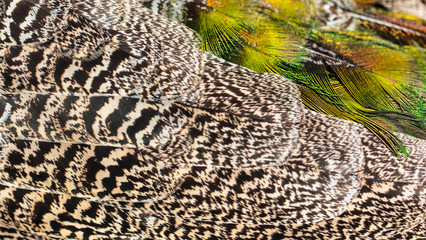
118, 126
369, 88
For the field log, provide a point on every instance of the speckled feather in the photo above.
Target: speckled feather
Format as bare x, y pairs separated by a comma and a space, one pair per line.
114, 125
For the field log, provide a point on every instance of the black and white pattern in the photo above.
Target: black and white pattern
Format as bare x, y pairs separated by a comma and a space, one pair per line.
114, 125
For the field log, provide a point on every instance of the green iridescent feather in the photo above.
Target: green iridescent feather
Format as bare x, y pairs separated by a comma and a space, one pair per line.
368, 69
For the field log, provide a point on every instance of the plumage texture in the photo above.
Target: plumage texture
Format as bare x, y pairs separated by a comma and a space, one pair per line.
357, 60
117, 126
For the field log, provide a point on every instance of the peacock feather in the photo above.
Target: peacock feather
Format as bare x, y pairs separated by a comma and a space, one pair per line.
114, 124
358, 60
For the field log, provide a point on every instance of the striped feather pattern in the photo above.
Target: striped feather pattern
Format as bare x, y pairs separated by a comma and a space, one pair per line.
114, 125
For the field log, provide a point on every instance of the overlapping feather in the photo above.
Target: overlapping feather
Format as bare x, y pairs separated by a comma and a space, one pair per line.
354, 60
